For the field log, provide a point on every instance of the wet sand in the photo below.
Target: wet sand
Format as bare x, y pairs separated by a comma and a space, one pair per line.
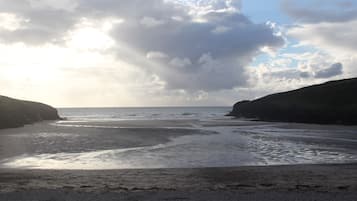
184, 143
292, 182
75, 137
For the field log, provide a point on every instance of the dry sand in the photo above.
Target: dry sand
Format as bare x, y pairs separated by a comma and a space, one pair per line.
293, 182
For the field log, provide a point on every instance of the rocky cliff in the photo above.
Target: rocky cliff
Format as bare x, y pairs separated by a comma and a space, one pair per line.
334, 102
17, 113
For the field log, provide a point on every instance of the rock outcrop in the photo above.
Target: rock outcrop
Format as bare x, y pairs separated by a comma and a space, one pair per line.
334, 102
16, 113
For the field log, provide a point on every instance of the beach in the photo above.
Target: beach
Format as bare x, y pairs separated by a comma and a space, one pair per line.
173, 143
178, 100
291, 182
176, 154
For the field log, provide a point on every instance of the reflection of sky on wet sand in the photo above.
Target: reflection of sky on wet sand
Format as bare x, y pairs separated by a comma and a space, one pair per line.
264, 144
186, 151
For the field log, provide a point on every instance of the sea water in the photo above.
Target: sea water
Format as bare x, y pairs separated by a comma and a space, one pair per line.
172, 137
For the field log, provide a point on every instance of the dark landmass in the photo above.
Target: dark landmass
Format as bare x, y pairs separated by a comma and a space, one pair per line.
16, 113
334, 102
274, 183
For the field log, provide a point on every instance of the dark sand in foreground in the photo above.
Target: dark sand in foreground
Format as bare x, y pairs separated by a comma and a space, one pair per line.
293, 182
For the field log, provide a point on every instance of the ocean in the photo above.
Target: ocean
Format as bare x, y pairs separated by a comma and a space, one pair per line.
171, 137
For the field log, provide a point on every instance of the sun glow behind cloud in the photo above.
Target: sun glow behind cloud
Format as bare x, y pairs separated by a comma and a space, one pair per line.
92, 35
54, 68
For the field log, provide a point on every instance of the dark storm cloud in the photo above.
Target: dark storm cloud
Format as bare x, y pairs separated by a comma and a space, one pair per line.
207, 51
333, 70
316, 11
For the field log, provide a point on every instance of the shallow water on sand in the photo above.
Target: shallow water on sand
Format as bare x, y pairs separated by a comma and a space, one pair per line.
170, 138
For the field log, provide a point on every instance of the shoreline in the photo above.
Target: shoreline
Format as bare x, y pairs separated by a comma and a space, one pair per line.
159, 144
259, 182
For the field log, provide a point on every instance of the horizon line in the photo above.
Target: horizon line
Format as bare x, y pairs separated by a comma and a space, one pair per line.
129, 107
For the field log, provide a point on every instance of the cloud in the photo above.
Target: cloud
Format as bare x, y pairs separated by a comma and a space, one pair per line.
330, 27
220, 29
156, 55
336, 40
281, 74
177, 62
316, 11
199, 7
151, 22
67, 5
36, 25
333, 70
305, 74
110, 52
10, 22
339, 36
168, 39
228, 37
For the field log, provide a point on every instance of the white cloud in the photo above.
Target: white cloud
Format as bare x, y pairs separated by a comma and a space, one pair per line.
337, 40
336, 36
11, 22
202, 7
329, 27
99, 44
288, 71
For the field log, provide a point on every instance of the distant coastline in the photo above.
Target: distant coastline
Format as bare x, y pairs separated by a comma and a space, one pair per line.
17, 113
334, 102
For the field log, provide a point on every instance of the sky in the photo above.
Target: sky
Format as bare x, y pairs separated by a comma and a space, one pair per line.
136, 53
